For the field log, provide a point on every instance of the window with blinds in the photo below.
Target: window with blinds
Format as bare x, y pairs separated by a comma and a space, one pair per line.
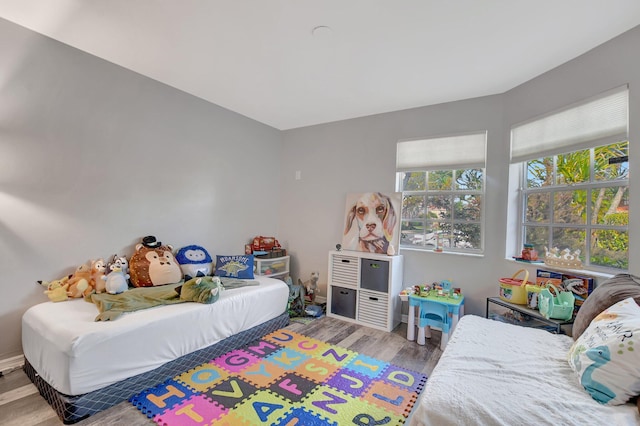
442, 181
575, 180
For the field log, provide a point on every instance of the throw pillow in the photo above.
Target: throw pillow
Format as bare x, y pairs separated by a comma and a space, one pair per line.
238, 266
608, 293
604, 356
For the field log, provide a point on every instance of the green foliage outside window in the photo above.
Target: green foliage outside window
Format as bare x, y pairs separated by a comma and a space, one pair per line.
579, 200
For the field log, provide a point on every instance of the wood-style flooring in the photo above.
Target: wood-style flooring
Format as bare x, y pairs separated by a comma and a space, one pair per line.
22, 405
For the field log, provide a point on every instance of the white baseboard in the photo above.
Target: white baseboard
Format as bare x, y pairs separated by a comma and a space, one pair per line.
320, 299
9, 364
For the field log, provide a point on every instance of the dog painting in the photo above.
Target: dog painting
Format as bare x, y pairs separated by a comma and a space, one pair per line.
372, 222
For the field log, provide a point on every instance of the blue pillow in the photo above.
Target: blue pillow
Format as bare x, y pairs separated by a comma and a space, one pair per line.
240, 266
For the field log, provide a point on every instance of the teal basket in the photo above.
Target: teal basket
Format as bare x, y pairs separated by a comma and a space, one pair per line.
558, 306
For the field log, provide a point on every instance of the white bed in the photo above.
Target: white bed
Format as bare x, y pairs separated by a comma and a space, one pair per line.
75, 355
493, 373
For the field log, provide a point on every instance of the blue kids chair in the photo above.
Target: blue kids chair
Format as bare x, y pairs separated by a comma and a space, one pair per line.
434, 314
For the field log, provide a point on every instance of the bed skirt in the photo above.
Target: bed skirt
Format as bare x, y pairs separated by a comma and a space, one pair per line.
72, 409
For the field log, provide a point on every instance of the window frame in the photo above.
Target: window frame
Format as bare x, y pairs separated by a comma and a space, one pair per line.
589, 186
452, 193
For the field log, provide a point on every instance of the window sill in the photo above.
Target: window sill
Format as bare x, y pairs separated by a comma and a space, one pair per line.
439, 253
585, 272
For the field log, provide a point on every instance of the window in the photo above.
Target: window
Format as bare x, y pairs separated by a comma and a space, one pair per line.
442, 181
575, 181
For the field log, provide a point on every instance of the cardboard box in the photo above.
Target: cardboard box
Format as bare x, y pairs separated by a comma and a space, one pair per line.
543, 277
580, 286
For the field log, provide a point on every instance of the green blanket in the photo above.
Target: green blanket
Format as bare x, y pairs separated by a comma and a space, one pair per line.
111, 306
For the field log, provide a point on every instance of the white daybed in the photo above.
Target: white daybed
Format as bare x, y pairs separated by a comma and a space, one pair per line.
81, 366
493, 373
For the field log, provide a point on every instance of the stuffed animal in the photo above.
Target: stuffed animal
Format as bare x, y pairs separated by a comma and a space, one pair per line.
153, 264
116, 281
120, 261
56, 290
201, 289
80, 282
311, 286
194, 259
98, 270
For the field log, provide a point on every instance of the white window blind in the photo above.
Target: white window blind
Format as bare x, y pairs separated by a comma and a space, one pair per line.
448, 152
596, 121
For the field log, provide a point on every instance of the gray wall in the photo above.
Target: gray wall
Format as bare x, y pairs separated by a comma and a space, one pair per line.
359, 155
93, 157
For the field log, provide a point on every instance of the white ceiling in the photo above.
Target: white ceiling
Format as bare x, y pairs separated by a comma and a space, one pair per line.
260, 59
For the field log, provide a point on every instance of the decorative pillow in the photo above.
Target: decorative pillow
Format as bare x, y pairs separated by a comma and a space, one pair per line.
608, 293
240, 266
605, 357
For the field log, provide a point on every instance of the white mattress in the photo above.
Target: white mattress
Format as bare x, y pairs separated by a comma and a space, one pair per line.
76, 355
493, 373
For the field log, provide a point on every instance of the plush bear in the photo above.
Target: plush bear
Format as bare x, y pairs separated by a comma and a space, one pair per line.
153, 264
201, 289
80, 282
56, 290
194, 259
98, 270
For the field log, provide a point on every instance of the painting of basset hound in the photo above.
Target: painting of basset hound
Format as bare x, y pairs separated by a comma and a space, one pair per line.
371, 222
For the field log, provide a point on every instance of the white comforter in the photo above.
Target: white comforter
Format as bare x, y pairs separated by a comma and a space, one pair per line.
493, 373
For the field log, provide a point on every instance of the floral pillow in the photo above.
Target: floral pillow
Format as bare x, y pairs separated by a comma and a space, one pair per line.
606, 357
238, 266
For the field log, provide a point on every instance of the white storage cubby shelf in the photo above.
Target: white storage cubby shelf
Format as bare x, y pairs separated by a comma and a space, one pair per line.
277, 267
363, 288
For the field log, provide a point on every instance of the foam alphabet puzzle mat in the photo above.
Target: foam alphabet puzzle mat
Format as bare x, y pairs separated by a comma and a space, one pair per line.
285, 378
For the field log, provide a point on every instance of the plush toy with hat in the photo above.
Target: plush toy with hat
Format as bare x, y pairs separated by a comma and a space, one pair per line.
153, 264
194, 260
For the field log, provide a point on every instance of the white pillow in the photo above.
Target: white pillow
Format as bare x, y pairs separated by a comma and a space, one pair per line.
606, 357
